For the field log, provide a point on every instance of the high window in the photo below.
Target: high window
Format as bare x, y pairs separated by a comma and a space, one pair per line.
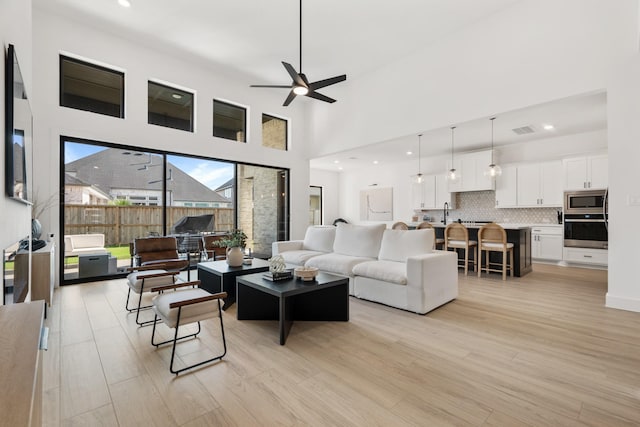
274, 132
229, 121
170, 107
91, 87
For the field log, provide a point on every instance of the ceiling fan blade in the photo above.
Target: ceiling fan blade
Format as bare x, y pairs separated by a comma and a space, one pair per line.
276, 86
290, 98
294, 76
327, 82
320, 96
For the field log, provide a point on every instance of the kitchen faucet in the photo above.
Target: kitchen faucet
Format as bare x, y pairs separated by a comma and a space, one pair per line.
445, 212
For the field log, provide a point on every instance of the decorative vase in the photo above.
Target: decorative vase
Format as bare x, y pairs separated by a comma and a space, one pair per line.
235, 255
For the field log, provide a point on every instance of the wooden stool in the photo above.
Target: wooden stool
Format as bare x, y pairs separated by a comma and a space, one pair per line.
400, 226
456, 236
437, 241
493, 238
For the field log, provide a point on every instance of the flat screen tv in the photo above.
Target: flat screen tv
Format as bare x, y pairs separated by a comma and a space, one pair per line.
19, 131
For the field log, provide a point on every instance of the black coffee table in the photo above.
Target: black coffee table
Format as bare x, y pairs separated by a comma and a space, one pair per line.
326, 298
217, 276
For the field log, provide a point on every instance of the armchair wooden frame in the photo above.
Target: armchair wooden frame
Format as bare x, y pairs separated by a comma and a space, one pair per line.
179, 305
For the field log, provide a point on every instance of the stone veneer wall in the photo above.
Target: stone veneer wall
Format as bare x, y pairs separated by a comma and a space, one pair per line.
479, 206
274, 133
257, 206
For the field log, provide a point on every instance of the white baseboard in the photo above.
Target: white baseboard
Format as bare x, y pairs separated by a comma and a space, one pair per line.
623, 303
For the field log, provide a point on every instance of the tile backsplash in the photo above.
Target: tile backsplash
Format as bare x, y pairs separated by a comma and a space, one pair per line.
479, 206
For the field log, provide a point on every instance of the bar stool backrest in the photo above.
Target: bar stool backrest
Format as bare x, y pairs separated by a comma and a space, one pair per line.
492, 233
456, 231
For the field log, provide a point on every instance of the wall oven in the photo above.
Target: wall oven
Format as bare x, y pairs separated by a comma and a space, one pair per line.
585, 219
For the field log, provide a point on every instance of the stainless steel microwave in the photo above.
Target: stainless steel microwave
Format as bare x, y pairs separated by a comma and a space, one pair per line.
585, 202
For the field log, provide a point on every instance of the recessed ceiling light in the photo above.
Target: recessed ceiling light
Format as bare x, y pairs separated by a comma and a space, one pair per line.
124, 3
375, 162
340, 168
336, 161
548, 127
409, 153
176, 96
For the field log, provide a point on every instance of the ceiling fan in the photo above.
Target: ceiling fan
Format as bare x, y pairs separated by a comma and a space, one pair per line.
300, 85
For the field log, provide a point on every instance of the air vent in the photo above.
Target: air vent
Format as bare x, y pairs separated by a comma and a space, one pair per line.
523, 130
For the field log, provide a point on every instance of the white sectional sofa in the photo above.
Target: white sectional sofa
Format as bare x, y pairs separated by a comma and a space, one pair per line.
398, 268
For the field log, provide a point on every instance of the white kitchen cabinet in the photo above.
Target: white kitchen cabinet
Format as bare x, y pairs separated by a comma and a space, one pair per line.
442, 193
506, 188
546, 242
432, 193
471, 167
581, 173
587, 256
540, 184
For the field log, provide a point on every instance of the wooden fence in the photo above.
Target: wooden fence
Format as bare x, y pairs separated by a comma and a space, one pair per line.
122, 224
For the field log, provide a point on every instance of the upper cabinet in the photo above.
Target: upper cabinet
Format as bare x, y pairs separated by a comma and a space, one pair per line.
540, 184
507, 188
532, 185
471, 167
588, 172
432, 193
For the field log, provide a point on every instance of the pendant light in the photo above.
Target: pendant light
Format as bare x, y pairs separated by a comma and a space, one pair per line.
453, 175
418, 178
492, 170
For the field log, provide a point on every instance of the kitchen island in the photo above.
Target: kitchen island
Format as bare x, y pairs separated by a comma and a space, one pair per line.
518, 234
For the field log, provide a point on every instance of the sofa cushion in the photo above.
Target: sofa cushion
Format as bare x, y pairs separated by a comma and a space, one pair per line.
298, 257
358, 240
398, 245
336, 263
386, 271
319, 238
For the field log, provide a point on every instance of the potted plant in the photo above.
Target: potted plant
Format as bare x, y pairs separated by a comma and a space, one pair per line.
235, 242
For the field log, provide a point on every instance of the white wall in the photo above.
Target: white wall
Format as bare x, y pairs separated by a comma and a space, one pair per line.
54, 34
533, 52
329, 181
15, 28
624, 180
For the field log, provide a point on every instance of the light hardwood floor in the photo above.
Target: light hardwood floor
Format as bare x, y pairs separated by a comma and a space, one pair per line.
538, 350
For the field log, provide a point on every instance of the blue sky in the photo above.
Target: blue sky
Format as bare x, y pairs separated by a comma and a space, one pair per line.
211, 173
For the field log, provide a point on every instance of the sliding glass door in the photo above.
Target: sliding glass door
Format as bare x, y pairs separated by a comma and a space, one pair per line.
114, 194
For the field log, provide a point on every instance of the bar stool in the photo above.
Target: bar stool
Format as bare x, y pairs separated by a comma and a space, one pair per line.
400, 226
438, 241
493, 238
456, 236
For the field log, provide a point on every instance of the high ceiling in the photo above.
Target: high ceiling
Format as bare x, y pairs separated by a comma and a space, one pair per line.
251, 37
574, 115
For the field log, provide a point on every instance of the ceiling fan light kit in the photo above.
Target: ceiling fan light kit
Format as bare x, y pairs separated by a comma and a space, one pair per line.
300, 85
493, 171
